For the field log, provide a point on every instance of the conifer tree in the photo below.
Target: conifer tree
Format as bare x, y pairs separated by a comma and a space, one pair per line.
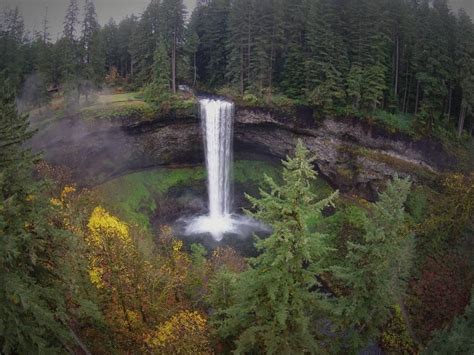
275, 300
144, 41
70, 52
172, 21
458, 338
159, 89
32, 299
376, 268
93, 52
465, 65
327, 58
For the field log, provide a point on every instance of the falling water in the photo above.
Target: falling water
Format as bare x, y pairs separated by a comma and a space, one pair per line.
217, 118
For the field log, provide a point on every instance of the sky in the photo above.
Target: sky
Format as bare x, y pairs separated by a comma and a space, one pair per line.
33, 10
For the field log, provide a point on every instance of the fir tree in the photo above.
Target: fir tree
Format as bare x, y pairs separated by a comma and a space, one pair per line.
275, 300
32, 299
458, 338
172, 21
93, 51
376, 268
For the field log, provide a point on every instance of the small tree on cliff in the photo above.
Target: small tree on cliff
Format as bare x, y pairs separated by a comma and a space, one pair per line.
275, 298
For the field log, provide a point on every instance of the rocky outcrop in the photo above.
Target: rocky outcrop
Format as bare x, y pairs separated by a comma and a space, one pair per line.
351, 154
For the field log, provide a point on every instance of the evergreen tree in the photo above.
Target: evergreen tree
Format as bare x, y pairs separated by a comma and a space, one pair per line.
12, 56
32, 299
159, 89
327, 59
241, 42
93, 52
465, 65
144, 41
172, 21
458, 338
275, 300
376, 268
70, 52
211, 24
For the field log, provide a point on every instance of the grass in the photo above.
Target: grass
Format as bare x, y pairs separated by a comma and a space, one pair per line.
117, 106
132, 196
395, 122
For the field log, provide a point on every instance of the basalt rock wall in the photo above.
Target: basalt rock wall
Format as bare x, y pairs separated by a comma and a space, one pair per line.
352, 155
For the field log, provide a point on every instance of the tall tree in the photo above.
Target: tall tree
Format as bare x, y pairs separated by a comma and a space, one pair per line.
465, 65
326, 61
92, 49
32, 297
275, 300
377, 267
172, 21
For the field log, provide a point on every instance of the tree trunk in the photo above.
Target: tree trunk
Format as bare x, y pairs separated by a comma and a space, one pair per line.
173, 64
417, 96
249, 48
450, 100
462, 117
242, 70
407, 87
397, 66
195, 71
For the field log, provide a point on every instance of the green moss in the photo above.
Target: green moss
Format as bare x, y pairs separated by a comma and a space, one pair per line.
132, 196
118, 110
252, 171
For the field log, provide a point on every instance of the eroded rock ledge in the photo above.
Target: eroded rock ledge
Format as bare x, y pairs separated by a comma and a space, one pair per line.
351, 154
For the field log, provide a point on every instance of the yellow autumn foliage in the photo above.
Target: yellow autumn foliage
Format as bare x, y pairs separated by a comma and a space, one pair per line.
186, 332
103, 225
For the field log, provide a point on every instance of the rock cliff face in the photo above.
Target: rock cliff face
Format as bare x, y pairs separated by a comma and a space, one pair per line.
351, 154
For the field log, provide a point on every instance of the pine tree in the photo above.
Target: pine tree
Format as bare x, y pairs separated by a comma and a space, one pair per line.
32, 299
327, 58
70, 52
241, 44
211, 24
376, 268
465, 65
458, 338
12, 55
93, 51
172, 21
159, 89
275, 300
144, 41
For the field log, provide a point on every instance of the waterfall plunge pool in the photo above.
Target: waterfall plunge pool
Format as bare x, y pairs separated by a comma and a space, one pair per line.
217, 127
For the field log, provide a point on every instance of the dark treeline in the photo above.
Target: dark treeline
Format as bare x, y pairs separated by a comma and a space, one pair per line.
343, 56
402, 56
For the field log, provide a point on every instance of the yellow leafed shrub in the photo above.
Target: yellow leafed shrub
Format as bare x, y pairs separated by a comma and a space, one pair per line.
186, 332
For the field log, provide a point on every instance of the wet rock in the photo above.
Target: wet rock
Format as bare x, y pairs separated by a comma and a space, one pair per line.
351, 154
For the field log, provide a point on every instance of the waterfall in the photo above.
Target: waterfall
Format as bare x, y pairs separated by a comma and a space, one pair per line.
217, 122
216, 118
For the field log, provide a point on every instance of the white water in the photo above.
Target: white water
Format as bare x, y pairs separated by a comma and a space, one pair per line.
217, 116
217, 121
217, 125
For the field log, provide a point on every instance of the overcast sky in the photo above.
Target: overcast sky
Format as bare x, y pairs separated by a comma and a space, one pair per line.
33, 10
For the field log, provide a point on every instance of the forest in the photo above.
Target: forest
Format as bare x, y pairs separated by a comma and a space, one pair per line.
353, 143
